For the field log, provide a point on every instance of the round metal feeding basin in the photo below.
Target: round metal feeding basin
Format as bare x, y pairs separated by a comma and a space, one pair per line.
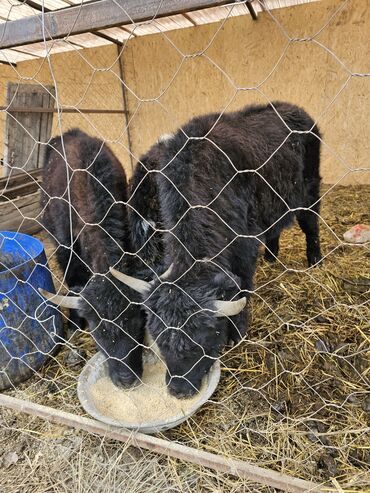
96, 369
29, 329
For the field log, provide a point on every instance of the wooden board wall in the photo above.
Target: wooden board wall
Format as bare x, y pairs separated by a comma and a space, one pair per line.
25, 133
83, 79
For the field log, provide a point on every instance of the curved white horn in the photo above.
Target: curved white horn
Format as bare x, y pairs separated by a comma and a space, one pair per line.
66, 301
167, 273
138, 285
229, 308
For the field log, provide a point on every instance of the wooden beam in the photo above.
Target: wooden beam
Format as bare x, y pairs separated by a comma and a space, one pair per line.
250, 7
19, 178
39, 7
188, 18
125, 103
36, 5
18, 214
219, 463
19, 191
10, 64
92, 17
34, 109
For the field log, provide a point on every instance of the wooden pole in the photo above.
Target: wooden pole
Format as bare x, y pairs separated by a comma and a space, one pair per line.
219, 463
91, 17
250, 7
125, 103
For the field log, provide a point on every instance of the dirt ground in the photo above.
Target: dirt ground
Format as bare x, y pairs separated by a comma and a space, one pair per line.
294, 396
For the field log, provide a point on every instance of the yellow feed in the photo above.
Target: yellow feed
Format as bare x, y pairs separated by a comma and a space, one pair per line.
146, 403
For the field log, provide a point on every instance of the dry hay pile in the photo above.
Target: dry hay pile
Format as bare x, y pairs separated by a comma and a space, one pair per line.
294, 396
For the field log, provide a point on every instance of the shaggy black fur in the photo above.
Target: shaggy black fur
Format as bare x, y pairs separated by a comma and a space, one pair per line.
97, 239
117, 323
144, 211
227, 185
98, 232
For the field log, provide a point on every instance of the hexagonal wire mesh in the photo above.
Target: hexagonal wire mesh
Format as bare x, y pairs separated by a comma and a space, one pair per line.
200, 205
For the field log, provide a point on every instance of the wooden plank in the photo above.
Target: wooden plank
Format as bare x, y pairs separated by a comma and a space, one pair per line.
15, 10
23, 128
20, 190
18, 217
15, 137
13, 56
26, 226
61, 109
31, 139
46, 123
51, 4
116, 33
21, 207
18, 214
91, 17
14, 180
234, 467
88, 40
49, 48
7, 135
18, 206
86, 43
160, 25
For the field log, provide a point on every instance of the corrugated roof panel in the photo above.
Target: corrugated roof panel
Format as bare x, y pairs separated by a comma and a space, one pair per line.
241, 9
15, 10
280, 4
116, 33
216, 14
143, 29
57, 46
88, 40
53, 4
173, 22
160, 25
13, 56
206, 16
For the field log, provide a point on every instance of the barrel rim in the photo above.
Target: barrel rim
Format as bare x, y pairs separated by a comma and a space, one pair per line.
39, 248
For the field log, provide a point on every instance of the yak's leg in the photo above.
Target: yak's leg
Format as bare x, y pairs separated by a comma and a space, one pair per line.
272, 248
308, 222
245, 255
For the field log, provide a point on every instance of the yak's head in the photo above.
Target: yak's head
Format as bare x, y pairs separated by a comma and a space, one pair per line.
191, 318
116, 322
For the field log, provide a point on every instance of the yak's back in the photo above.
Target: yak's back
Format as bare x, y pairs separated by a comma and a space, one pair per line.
83, 178
89, 158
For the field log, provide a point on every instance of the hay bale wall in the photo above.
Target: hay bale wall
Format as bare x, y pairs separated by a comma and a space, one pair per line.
238, 53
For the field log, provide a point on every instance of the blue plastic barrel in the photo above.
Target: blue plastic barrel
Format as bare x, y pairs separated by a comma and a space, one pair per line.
29, 329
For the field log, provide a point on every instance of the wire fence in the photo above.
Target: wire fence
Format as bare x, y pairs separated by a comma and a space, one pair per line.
179, 277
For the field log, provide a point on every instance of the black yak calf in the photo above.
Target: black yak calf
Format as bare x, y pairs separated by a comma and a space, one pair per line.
84, 195
226, 184
84, 201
